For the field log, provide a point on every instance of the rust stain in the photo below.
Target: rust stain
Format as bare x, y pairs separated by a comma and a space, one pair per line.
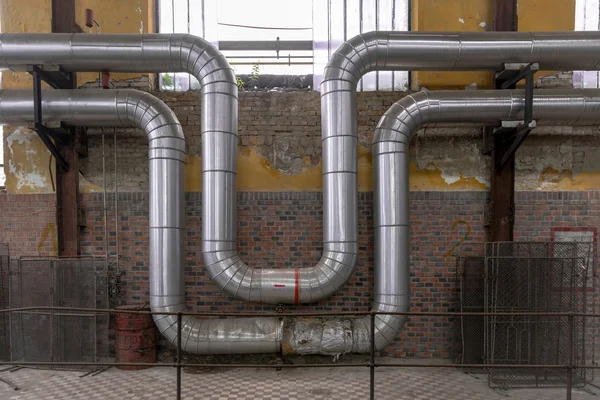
431, 179
552, 179
467, 232
365, 170
551, 175
48, 231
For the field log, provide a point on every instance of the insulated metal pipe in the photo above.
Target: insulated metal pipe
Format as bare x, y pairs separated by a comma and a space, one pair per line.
375, 50
391, 191
166, 157
186, 53
370, 51
390, 158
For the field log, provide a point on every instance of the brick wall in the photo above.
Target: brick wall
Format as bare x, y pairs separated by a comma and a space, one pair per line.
281, 229
284, 128
27, 223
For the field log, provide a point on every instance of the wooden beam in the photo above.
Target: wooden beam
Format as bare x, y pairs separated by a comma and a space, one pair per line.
67, 180
502, 189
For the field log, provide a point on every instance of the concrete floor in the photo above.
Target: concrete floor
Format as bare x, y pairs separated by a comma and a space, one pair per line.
301, 383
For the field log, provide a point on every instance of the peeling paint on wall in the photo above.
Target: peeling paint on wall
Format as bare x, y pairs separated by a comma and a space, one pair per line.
29, 167
86, 186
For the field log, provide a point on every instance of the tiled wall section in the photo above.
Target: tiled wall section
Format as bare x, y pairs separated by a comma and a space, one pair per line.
281, 229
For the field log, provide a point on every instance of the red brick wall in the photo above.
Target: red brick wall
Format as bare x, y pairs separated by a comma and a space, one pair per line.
28, 224
285, 229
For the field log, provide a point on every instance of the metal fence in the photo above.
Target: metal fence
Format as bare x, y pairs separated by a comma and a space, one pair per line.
569, 368
4, 299
535, 277
517, 277
58, 336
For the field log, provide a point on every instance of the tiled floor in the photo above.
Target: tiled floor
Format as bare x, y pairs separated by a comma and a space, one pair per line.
303, 383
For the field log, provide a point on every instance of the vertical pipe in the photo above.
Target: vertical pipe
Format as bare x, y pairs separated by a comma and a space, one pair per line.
116, 204
179, 356
104, 202
372, 362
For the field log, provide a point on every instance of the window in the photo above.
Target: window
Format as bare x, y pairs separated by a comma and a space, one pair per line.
587, 19
267, 39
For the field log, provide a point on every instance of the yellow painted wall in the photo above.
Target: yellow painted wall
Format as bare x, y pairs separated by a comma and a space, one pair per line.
27, 170
478, 15
27, 165
115, 16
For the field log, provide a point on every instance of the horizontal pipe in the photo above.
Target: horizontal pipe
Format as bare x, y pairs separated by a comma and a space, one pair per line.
408, 51
166, 158
390, 150
364, 53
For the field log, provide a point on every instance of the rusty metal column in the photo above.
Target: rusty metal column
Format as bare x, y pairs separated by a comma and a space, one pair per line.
67, 179
502, 188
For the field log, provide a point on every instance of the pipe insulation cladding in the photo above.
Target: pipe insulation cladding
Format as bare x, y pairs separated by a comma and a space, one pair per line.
390, 150
364, 53
219, 129
166, 154
166, 158
361, 54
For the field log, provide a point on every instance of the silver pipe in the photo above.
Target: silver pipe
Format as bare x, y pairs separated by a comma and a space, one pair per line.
381, 50
176, 53
390, 150
105, 209
117, 260
166, 154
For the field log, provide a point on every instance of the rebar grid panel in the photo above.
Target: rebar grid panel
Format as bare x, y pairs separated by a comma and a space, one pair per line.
64, 335
535, 277
4, 302
469, 335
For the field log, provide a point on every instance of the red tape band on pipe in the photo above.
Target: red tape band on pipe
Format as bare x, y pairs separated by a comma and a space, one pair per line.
297, 288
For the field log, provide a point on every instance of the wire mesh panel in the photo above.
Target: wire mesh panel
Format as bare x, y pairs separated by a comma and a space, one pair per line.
4, 297
535, 277
58, 335
469, 336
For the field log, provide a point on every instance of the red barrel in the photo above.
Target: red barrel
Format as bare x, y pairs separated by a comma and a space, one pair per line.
135, 336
